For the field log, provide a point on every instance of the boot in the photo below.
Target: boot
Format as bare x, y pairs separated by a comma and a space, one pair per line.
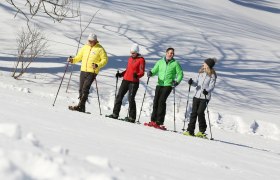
130, 119
114, 116
81, 107
82, 103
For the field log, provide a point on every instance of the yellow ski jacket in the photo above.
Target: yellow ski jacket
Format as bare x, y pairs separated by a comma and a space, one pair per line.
89, 55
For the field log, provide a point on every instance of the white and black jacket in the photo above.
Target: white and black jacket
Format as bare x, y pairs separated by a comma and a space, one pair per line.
204, 81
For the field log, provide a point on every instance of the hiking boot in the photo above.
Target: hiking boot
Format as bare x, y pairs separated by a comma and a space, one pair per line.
82, 108
113, 116
187, 133
201, 135
78, 108
129, 119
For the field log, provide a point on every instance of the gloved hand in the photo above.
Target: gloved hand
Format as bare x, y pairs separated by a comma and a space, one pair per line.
205, 92
70, 59
135, 76
149, 74
94, 66
175, 83
118, 74
190, 81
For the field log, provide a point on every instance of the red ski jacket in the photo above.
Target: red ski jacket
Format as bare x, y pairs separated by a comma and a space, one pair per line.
134, 65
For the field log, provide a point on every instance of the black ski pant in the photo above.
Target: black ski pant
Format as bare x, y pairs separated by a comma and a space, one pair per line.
159, 104
198, 108
132, 88
86, 80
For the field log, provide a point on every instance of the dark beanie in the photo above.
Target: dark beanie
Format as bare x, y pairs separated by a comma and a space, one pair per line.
210, 62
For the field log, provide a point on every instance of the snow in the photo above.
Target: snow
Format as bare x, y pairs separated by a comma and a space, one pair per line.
42, 141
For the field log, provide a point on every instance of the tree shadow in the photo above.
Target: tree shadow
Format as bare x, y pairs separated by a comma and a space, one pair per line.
262, 5
202, 41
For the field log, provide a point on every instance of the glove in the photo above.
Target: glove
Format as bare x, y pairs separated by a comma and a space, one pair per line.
175, 83
70, 59
135, 76
205, 92
190, 81
150, 74
118, 74
94, 66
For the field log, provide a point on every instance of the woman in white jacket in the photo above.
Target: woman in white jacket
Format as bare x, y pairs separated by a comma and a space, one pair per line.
205, 84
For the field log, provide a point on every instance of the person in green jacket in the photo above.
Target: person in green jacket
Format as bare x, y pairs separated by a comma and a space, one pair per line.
170, 74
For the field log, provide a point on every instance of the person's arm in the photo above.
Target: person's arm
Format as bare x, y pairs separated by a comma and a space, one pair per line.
179, 73
155, 68
141, 68
212, 83
79, 56
103, 58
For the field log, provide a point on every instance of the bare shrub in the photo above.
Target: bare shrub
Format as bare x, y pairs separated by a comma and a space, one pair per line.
55, 9
31, 43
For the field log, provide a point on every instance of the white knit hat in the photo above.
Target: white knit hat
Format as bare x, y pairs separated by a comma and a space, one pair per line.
134, 48
92, 37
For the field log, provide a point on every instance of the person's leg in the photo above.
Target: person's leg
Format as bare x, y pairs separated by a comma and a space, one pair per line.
155, 104
88, 80
118, 102
82, 80
133, 87
201, 115
161, 111
193, 116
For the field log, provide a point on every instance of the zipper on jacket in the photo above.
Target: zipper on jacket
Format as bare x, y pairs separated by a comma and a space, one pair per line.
166, 65
87, 58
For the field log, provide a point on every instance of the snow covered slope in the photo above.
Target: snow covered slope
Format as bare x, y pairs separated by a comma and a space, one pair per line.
39, 141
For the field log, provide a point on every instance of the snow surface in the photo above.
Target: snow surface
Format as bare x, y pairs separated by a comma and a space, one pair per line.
41, 141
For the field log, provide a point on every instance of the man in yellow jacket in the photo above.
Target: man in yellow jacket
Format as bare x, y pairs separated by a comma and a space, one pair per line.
93, 57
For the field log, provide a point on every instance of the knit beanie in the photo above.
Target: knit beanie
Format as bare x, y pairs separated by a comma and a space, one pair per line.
92, 37
134, 48
210, 62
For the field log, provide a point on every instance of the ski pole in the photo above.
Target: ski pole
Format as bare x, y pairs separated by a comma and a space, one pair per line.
186, 108
174, 109
61, 81
138, 122
98, 96
68, 84
211, 138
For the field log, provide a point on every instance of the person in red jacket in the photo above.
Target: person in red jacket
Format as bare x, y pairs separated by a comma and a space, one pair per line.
134, 71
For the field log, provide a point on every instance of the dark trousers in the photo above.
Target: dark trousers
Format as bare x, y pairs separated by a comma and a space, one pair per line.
132, 88
159, 104
86, 79
198, 108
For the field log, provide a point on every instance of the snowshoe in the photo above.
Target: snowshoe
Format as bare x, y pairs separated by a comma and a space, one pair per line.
78, 108
201, 135
161, 127
187, 133
155, 125
113, 116
129, 119
150, 124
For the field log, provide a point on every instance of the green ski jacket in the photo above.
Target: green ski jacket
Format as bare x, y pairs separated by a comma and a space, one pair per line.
167, 72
